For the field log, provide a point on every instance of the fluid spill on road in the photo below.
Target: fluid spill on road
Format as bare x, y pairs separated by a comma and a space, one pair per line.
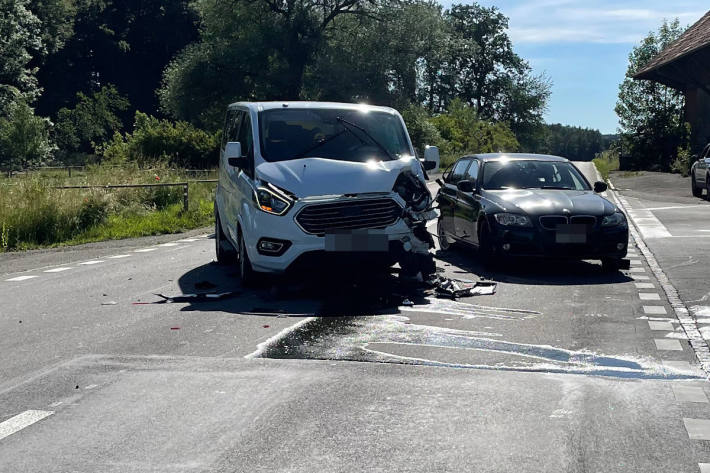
390, 338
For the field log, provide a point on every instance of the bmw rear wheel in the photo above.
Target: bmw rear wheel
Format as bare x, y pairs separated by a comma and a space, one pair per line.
697, 191
444, 242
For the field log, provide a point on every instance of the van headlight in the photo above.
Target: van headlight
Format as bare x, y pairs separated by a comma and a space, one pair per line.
614, 220
270, 202
513, 220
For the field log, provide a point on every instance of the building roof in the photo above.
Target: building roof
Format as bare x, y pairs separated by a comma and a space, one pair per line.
695, 38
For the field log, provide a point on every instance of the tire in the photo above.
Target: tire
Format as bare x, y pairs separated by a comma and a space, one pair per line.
707, 187
610, 265
697, 191
246, 272
224, 251
444, 242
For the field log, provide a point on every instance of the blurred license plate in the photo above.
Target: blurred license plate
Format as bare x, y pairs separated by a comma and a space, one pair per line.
571, 233
356, 241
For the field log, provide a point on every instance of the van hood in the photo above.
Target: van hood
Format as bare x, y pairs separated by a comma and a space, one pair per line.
309, 177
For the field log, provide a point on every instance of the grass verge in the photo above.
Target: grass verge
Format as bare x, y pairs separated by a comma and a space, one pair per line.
606, 162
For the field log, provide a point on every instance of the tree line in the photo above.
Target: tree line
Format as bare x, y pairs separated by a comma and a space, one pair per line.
140, 79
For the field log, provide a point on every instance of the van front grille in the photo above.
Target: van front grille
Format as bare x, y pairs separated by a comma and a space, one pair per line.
356, 214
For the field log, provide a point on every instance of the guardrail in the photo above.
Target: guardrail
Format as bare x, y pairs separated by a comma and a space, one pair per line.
185, 188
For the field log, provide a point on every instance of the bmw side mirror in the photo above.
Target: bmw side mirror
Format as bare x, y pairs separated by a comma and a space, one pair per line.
466, 186
600, 187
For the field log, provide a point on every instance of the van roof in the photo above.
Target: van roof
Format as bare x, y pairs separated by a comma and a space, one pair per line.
259, 106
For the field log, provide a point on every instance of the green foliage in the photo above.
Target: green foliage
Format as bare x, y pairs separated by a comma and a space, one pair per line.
650, 114
19, 41
574, 143
92, 121
155, 140
683, 161
33, 213
422, 130
606, 162
24, 138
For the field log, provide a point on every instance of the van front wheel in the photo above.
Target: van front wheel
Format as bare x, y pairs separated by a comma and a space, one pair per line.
223, 248
246, 272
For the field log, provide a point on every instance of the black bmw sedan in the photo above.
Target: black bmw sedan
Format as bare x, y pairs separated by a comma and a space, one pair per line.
529, 205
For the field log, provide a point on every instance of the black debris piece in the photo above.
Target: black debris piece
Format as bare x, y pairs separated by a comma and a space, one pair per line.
202, 285
206, 297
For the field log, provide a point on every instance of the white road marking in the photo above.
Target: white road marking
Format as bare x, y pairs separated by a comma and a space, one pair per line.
637, 269
188, 240
647, 223
644, 285
91, 386
169, 244
20, 421
666, 344
700, 310
664, 326
96, 261
635, 262
676, 207
640, 277
704, 467
654, 310
677, 365
57, 270
684, 393
21, 278
649, 296
119, 256
698, 429
145, 250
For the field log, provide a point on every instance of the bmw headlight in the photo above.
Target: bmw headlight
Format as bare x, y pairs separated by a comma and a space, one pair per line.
271, 202
614, 220
513, 220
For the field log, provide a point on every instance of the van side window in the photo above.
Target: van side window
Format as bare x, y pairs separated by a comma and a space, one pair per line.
458, 171
232, 129
247, 141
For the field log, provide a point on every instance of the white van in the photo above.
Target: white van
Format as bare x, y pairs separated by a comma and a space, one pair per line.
303, 181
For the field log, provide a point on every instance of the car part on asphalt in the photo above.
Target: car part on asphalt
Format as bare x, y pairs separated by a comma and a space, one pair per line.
203, 297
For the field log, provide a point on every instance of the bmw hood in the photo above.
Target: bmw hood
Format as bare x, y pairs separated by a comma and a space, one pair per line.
551, 202
309, 177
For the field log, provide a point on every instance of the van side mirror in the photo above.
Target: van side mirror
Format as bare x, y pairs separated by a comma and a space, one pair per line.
466, 186
600, 187
431, 158
233, 153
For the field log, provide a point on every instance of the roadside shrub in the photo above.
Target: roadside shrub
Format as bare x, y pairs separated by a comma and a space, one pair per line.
606, 161
683, 161
24, 138
178, 143
93, 211
421, 130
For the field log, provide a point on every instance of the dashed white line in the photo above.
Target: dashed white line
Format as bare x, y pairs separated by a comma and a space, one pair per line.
637, 269
20, 421
649, 296
168, 244
668, 344
96, 261
654, 310
145, 250
644, 285
21, 278
640, 277
664, 326
636, 262
57, 270
698, 429
119, 256
685, 393
188, 240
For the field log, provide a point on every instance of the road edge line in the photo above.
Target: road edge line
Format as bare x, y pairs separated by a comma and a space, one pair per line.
688, 322
262, 347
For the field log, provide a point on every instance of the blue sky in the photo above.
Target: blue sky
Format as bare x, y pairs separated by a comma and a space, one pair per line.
583, 46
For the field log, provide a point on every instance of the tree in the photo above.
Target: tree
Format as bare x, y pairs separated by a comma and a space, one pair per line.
19, 40
91, 122
24, 137
651, 120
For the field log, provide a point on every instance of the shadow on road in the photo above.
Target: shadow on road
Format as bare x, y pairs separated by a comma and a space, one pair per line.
531, 270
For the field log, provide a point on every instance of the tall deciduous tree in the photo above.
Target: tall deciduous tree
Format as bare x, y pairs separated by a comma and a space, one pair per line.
650, 114
19, 41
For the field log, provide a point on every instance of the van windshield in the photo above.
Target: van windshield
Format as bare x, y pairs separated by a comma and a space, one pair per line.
344, 135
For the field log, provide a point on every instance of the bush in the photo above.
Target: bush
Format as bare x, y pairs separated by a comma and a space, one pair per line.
421, 130
682, 163
24, 138
178, 143
607, 161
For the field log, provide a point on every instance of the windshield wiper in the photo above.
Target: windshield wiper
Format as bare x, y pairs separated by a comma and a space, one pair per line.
367, 133
320, 143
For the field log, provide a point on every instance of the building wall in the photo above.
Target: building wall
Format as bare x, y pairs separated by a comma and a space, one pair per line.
697, 113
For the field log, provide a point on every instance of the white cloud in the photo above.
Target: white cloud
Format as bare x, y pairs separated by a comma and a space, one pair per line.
605, 21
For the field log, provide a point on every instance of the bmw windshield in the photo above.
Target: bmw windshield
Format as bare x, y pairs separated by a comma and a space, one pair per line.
528, 174
345, 135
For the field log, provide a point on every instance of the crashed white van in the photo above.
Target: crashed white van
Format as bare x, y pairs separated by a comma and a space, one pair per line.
307, 182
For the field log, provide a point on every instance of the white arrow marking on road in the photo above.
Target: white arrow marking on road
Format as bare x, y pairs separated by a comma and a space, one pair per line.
20, 421
21, 278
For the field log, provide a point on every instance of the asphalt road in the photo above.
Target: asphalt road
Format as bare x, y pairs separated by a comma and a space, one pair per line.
565, 369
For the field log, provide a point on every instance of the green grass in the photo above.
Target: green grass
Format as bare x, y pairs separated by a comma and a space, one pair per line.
606, 162
34, 214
